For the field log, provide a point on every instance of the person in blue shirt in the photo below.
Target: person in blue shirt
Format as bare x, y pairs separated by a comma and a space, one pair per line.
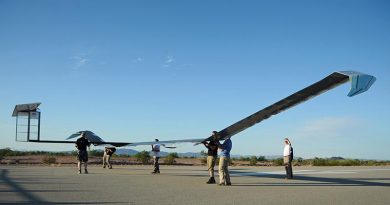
224, 159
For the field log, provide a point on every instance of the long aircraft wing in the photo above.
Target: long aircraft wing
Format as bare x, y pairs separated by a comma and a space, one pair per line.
360, 83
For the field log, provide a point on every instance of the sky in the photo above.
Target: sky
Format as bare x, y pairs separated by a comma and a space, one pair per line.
138, 70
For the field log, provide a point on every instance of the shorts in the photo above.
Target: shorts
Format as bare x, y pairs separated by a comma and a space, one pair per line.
82, 156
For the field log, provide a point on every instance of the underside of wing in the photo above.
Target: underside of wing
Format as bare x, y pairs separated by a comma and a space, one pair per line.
96, 140
92, 137
360, 83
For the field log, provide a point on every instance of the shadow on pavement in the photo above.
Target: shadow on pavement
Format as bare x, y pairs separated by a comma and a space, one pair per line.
300, 180
30, 198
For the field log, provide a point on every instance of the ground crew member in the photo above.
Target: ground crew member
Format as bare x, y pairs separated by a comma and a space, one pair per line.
82, 156
108, 152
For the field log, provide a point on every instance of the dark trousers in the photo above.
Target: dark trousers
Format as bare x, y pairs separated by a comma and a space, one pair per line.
288, 167
156, 164
289, 172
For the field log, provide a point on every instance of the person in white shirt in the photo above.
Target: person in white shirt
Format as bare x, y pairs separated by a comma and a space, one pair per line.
156, 157
287, 158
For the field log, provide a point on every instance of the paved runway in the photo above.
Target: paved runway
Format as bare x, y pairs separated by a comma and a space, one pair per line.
186, 185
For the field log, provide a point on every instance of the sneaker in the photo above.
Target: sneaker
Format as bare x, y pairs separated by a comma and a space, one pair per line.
211, 181
79, 172
104, 166
110, 167
86, 171
221, 184
228, 184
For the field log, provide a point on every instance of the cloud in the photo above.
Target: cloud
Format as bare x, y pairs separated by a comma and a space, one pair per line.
328, 127
138, 60
168, 61
80, 61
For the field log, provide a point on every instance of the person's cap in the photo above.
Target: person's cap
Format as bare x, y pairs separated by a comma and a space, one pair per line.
156, 140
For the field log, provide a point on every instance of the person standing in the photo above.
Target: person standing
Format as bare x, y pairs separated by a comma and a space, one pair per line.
224, 160
287, 158
82, 156
212, 153
156, 157
108, 152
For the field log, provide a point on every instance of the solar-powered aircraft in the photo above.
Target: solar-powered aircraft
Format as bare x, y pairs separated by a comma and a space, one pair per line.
360, 83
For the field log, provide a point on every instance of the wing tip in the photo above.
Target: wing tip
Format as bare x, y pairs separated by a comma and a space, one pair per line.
360, 82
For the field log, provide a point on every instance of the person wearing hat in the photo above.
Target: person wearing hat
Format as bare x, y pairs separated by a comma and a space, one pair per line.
156, 157
287, 158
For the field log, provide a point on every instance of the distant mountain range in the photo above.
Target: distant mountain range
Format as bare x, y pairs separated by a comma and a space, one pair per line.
126, 152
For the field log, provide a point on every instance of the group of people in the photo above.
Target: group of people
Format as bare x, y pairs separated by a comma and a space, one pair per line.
82, 156
224, 160
212, 153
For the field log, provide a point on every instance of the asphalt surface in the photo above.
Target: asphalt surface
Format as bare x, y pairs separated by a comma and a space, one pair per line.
186, 185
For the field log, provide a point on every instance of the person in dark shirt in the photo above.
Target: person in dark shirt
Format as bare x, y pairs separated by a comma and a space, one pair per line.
82, 156
212, 153
108, 152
